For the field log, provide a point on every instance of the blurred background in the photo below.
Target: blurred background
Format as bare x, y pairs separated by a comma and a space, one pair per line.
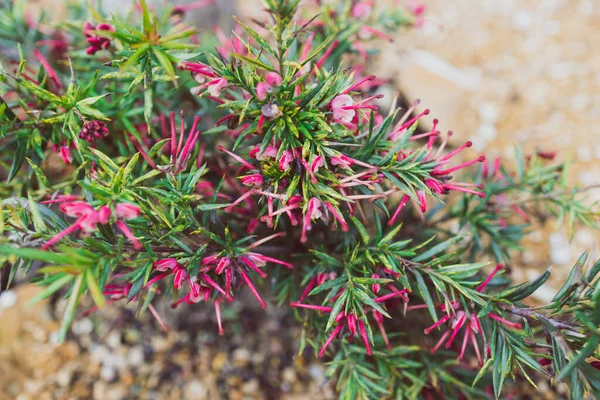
495, 72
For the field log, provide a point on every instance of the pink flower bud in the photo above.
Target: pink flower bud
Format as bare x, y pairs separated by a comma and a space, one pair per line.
215, 86
104, 215
274, 79
66, 155
76, 209
376, 287
223, 263
422, 200
351, 320
362, 10
285, 160
251, 180
179, 277
127, 211
262, 90
316, 164
270, 152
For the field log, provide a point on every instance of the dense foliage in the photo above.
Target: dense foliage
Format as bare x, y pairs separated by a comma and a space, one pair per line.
144, 161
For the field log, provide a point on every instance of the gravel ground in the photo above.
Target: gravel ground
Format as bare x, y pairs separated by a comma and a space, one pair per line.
114, 354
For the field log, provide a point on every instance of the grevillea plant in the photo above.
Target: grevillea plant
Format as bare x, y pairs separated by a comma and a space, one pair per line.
143, 162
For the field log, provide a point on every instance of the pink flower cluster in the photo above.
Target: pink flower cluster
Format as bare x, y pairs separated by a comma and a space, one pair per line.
93, 130
231, 271
349, 324
456, 317
96, 42
88, 218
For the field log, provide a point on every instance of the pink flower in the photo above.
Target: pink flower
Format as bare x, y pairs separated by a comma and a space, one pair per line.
165, 264
261, 260
270, 152
127, 211
195, 91
422, 200
129, 235
96, 42
76, 209
262, 90
314, 167
274, 79
366, 32
313, 212
87, 218
285, 160
198, 68
342, 114
224, 262
337, 216
215, 86
343, 161
66, 155
415, 7
179, 277
362, 9
252, 180
88, 222
104, 214
93, 130
459, 318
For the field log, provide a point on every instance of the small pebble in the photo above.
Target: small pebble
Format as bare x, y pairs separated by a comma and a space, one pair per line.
8, 299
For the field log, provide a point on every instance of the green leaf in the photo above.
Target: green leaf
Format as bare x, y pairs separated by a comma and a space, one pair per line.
332, 261
524, 290
145, 16
425, 295
38, 222
367, 300
40, 92
18, 159
330, 284
52, 288
256, 36
164, 61
584, 353
131, 165
390, 235
105, 159
91, 100
148, 104
148, 175
35, 254
361, 229
94, 289
211, 207
137, 285
91, 112
574, 274
42, 180
70, 309
337, 307
253, 61
324, 44
437, 249
371, 281
482, 371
